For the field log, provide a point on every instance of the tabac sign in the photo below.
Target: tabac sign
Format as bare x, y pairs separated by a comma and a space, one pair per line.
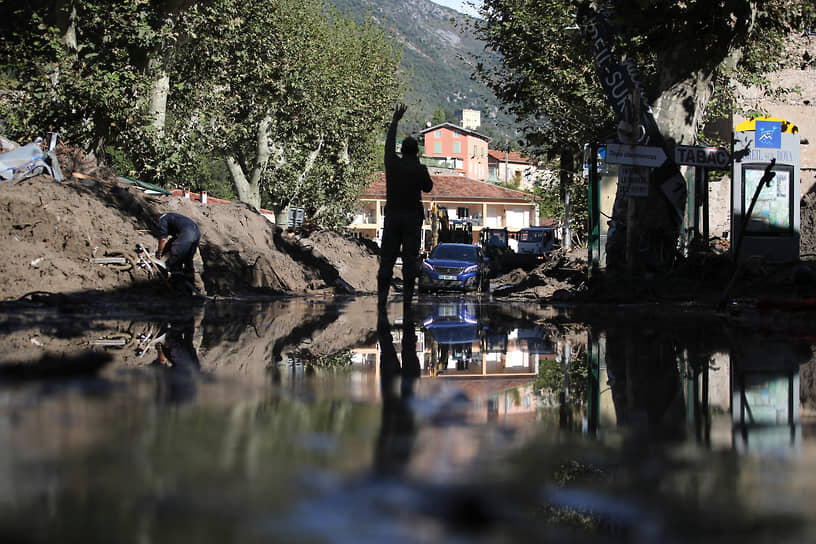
715, 158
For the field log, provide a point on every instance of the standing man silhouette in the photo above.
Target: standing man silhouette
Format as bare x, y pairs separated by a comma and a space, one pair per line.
405, 179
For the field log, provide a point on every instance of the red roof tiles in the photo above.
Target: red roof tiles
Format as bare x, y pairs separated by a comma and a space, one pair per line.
448, 187
513, 156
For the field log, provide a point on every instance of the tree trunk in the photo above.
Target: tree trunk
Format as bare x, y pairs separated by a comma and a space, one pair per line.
567, 165
679, 109
248, 187
310, 160
248, 191
159, 90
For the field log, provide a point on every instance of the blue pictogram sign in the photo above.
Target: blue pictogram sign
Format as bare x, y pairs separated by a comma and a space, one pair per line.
769, 134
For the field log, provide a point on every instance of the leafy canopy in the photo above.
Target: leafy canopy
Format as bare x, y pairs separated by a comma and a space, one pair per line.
308, 82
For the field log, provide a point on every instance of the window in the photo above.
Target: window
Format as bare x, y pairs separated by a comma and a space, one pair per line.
437, 148
462, 213
456, 148
437, 134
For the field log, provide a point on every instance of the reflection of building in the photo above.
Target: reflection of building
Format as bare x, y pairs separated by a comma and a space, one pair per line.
746, 399
458, 346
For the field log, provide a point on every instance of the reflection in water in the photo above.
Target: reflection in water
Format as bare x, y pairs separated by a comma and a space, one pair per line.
177, 359
551, 425
689, 379
397, 383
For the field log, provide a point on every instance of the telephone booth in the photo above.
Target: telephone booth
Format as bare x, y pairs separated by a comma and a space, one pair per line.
765, 221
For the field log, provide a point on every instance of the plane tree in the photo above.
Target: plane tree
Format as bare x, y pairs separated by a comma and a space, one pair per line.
684, 56
80, 69
289, 95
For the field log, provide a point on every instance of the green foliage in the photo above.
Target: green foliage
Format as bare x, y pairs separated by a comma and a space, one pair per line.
80, 73
547, 76
552, 377
324, 84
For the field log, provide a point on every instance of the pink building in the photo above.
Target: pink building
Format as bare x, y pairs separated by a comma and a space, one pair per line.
458, 148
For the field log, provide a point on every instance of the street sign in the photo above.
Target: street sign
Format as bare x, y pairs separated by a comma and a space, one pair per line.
635, 155
633, 181
707, 157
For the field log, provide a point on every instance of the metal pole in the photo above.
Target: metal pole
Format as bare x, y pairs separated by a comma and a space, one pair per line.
706, 233
594, 210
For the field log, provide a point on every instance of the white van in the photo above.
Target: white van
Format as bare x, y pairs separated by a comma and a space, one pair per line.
539, 241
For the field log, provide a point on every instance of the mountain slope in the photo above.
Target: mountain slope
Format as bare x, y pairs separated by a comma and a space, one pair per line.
437, 52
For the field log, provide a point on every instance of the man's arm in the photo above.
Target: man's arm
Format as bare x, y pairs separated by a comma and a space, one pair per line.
427, 182
391, 137
162, 234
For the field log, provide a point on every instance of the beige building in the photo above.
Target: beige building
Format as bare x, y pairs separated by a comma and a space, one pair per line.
478, 203
471, 119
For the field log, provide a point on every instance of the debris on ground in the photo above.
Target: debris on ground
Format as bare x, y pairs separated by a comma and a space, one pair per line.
562, 275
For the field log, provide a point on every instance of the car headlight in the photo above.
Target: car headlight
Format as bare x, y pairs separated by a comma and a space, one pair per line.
470, 269
427, 265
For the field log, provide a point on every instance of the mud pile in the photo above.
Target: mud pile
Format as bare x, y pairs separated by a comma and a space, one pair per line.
52, 231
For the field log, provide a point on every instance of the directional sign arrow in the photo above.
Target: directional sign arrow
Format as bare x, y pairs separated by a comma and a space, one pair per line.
635, 155
707, 157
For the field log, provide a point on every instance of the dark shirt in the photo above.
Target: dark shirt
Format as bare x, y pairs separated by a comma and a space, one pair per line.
175, 224
405, 178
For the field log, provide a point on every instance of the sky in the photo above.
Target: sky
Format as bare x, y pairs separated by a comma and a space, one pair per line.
459, 5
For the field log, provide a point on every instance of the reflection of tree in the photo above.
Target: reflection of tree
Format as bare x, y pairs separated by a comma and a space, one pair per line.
552, 378
333, 362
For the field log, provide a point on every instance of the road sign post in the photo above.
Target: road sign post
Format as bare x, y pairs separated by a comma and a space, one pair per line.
634, 180
635, 155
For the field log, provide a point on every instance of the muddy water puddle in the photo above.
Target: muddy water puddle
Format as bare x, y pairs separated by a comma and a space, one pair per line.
471, 420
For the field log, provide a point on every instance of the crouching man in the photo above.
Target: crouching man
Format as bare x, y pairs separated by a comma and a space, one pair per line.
184, 236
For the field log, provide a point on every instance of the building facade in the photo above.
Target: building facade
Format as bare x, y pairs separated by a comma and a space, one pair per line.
511, 167
477, 203
471, 119
463, 150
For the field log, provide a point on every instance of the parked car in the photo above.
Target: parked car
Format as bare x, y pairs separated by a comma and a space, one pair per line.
455, 266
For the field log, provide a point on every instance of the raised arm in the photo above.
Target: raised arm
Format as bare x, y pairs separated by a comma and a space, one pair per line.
391, 137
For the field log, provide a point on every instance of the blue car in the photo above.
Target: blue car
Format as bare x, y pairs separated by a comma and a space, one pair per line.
455, 266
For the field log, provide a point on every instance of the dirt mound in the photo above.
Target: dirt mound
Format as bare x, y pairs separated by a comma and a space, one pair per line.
52, 231
562, 275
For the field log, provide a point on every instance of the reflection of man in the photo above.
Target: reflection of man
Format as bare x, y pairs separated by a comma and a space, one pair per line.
405, 179
177, 354
397, 430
